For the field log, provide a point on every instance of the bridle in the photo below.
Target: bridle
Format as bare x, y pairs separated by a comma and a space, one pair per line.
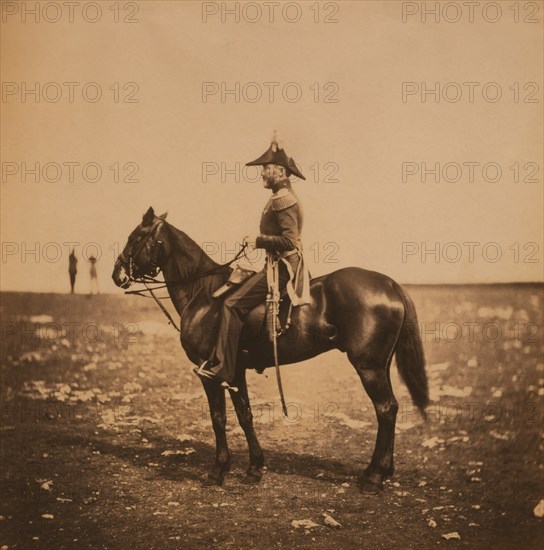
128, 263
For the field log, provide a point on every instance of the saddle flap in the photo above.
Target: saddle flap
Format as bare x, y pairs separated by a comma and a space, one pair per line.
238, 276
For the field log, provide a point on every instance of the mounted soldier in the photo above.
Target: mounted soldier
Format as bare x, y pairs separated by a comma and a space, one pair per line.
364, 314
280, 235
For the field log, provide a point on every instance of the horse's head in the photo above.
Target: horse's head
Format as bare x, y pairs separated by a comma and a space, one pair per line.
142, 253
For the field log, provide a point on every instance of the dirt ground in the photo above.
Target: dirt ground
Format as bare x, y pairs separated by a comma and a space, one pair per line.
106, 434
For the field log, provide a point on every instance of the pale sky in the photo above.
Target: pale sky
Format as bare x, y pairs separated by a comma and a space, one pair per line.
370, 215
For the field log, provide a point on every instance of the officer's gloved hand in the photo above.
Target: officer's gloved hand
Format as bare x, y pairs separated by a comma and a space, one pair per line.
250, 242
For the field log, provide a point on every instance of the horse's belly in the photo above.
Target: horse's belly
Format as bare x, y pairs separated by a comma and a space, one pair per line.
292, 348
307, 336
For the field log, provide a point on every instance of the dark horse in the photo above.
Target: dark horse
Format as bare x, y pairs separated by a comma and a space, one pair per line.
363, 313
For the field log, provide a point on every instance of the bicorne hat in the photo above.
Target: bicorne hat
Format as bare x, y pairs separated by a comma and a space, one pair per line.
276, 155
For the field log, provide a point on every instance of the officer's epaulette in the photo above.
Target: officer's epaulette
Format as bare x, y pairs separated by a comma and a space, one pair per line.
283, 199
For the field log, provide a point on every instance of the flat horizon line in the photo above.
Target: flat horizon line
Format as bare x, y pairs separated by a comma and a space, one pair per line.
511, 283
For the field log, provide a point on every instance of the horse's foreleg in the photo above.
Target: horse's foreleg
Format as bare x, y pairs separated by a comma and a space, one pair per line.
376, 381
245, 418
218, 413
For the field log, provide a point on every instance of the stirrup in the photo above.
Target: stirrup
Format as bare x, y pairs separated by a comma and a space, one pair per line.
204, 373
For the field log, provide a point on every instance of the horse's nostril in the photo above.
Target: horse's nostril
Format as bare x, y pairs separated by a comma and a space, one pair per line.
119, 275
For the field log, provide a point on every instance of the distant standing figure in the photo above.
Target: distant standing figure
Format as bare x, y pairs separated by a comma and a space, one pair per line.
94, 278
72, 270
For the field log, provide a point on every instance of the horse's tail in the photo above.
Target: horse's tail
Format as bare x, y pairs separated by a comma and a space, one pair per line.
410, 356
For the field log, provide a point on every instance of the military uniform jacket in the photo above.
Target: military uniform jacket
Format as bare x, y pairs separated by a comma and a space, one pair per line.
281, 223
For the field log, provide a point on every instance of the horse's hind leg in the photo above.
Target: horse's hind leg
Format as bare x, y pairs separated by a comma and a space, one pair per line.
375, 378
218, 413
245, 419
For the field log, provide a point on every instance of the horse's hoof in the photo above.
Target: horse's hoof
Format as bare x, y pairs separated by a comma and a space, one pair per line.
211, 480
366, 485
251, 478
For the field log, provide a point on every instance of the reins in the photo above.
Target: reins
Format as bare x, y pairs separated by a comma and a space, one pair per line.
146, 280
163, 309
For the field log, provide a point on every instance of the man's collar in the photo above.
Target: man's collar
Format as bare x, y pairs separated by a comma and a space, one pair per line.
281, 185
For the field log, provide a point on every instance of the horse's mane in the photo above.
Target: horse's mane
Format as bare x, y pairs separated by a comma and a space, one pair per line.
188, 260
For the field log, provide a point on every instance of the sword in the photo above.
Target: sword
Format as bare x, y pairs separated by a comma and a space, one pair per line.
273, 299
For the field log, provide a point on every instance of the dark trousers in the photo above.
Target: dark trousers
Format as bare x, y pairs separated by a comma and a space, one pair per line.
72, 281
235, 307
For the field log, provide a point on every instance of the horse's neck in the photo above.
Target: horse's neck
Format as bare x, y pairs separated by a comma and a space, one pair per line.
185, 261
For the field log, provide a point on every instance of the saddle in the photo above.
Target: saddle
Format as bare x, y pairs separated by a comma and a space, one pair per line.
238, 276
256, 320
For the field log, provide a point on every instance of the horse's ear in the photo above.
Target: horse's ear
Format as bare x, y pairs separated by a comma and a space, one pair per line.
148, 217
163, 216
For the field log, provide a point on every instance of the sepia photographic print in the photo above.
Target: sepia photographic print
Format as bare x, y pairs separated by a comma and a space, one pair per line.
271, 274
